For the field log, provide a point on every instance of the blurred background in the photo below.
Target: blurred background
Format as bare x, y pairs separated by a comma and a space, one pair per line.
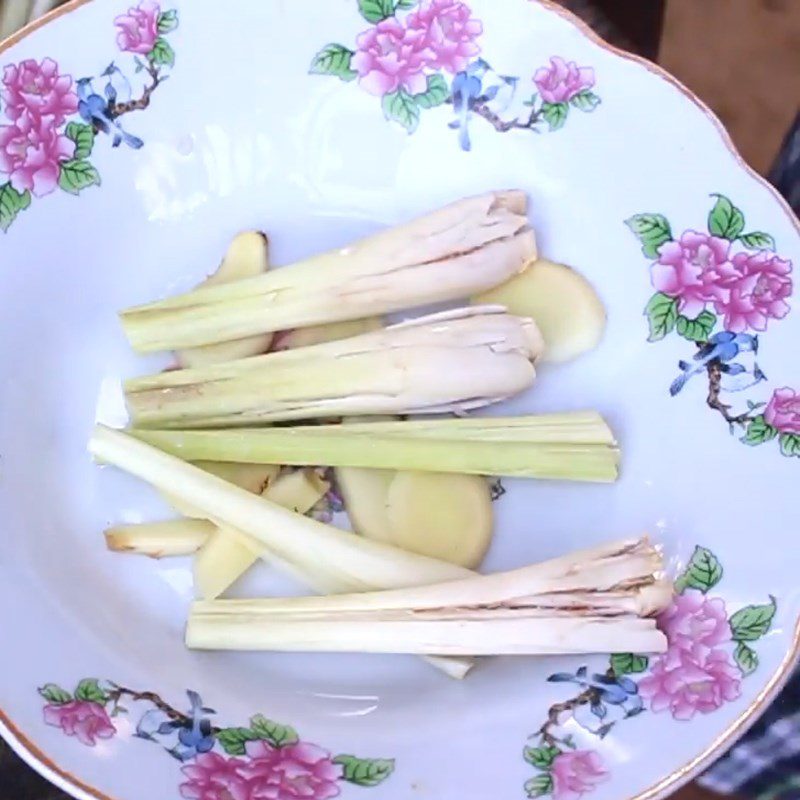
742, 57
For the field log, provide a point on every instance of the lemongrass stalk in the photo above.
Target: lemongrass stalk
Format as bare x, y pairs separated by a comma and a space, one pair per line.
562, 606
452, 361
515, 635
441, 446
361, 563
452, 253
606, 576
175, 537
225, 557
336, 558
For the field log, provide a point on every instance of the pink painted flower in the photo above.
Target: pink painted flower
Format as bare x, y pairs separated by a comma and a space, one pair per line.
756, 291
562, 80
450, 30
214, 777
31, 153
692, 269
268, 773
783, 410
38, 89
138, 29
688, 681
576, 773
694, 619
390, 56
296, 771
83, 719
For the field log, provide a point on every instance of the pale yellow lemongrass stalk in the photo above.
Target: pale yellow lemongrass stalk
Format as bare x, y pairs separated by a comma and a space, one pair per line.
225, 557
572, 604
451, 361
455, 252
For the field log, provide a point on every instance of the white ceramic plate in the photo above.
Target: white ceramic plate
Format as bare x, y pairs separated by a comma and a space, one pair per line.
624, 169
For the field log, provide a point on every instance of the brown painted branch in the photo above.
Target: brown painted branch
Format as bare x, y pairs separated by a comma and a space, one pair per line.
713, 400
116, 110
149, 697
556, 710
500, 125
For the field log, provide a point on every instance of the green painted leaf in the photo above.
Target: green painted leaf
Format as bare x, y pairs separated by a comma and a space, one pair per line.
752, 622
759, 431
746, 658
404, 5
401, 107
333, 59
89, 689
585, 101
628, 663
436, 93
76, 176
652, 230
757, 240
790, 444
233, 740
162, 54
54, 694
376, 10
725, 220
11, 203
696, 330
540, 757
168, 21
365, 771
275, 733
703, 572
555, 114
83, 136
539, 786
662, 314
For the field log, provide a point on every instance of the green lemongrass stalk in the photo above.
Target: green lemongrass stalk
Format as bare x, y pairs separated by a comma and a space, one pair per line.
576, 604
331, 558
174, 537
452, 253
451, 361
523, 447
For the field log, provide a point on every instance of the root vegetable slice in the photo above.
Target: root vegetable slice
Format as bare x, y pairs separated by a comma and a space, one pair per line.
318, 334
564, 305
247, 256
445, 516
364, 492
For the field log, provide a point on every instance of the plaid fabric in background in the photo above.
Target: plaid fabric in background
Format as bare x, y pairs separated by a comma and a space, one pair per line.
765, 764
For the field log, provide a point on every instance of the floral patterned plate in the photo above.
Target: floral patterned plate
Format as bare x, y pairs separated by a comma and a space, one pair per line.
134, 141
